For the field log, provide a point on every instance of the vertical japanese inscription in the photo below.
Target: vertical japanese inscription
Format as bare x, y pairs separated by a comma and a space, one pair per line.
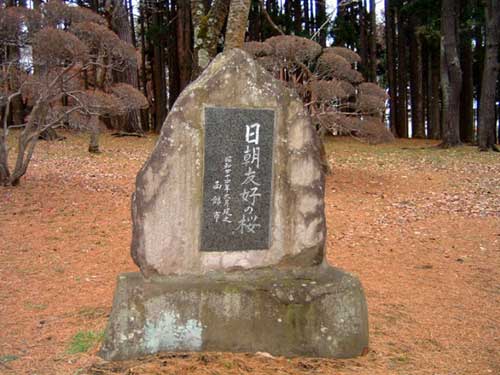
237, 180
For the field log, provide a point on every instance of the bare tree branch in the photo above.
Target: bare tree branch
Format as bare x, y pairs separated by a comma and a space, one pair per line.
269, 19
330, 16
6, 115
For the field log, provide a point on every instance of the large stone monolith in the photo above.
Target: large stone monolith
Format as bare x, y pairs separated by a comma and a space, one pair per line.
229, 230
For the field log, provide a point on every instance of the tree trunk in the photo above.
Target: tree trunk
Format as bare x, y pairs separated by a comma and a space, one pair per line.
497, 111
132, 23
255, 22
94, 135
451, 73
50, 134
373, 43
307, 25
121, 26
287, 19
466, 96
237, 21
28, 140
434, 131
390, 63
487, 128
172, 58
4, 166
297, 17
478, 67
158, 73
145, 113
312, 19
16, 113
402, 104
425, 85
4, 148
320, 20
184, 48
207, 27
416, 84
363, 39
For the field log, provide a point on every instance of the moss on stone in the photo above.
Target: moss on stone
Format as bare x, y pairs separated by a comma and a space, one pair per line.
203, 29
231, 288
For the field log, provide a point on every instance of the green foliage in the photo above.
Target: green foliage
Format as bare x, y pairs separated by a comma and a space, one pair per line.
84, 341
36, 306
8, 358
431, 33
428, 12
346, 28
424, 9
92, 312
157, 33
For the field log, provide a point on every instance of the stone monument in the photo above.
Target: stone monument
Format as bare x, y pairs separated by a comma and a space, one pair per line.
229, 230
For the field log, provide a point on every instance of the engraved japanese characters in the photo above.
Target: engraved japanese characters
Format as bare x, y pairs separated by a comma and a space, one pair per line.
237, 181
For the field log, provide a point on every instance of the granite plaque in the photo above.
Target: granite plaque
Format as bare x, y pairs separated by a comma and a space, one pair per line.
237, 180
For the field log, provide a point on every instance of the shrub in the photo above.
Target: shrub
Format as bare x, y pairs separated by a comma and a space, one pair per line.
335, 93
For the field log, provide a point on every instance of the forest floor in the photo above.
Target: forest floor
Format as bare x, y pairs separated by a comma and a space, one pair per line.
419, 225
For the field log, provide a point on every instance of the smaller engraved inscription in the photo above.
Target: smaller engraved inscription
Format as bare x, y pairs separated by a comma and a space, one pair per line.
237, 180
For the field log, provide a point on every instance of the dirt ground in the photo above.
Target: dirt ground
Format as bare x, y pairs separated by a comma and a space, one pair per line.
419, 225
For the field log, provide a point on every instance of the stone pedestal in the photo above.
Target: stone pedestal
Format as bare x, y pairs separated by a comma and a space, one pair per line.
317, 311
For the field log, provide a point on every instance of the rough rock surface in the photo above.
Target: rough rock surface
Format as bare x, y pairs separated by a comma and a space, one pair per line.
315, 311
167, 204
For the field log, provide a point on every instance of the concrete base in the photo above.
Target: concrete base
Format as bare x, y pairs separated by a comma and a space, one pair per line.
317, 311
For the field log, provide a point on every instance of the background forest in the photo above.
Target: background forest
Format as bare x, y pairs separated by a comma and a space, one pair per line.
375, 70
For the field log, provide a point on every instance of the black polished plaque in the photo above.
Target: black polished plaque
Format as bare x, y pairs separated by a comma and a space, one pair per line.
237, 179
